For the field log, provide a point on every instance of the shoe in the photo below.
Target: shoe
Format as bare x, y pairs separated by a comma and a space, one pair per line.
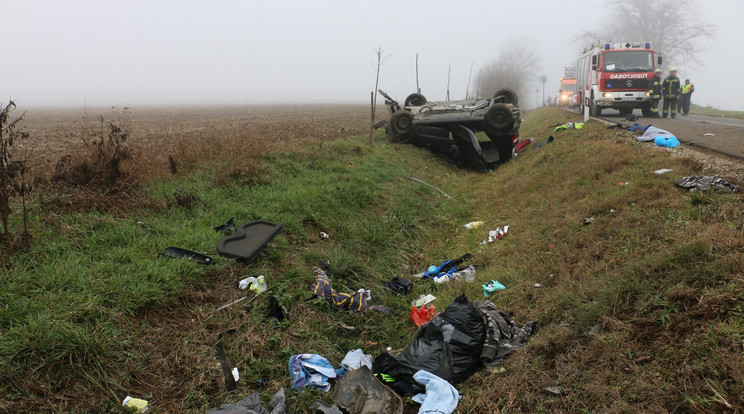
674, 116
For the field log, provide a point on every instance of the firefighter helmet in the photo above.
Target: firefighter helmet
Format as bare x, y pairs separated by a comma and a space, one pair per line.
657, 70
672, 69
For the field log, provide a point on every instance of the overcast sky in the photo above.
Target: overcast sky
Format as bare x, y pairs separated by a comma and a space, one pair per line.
151, 52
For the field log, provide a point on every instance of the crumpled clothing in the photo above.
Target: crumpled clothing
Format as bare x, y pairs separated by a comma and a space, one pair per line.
638, 127
440, 396
467, 274
570, 125
503, 336
669, 142
252, 405
448, 268
310, 371
705, 183
491, 287
356, 358
652, 133
356, 302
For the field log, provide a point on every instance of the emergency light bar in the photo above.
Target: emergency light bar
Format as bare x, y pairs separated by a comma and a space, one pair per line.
637, 45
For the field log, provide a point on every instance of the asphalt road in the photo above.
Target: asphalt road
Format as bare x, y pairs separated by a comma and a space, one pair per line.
727, 138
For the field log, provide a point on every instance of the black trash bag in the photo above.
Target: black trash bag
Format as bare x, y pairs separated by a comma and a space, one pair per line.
449, 346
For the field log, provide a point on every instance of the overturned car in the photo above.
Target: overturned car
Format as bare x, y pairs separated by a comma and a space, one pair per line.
449, 128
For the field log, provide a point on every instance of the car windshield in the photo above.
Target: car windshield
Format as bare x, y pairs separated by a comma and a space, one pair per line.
569, 87
629, 61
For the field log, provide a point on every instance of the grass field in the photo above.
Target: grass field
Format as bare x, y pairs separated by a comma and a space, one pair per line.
710, 111
657, 276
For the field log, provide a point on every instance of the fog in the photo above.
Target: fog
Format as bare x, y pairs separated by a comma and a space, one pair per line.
166, 52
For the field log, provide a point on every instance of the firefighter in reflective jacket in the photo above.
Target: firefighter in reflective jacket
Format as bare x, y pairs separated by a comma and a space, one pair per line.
670, 91
654, 93
684, 98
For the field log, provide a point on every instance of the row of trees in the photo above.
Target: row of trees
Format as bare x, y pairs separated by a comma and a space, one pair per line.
673, 26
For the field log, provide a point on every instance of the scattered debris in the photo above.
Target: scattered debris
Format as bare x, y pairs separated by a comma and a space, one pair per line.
274, 310
430, 186
399, 286
474, 224
543, 143
651, 133
424, 300
569, 125
355, 302
497, 234
447, 270
256, 284
709, 134
594, 330
324, 235
491, 287
555, 390
484, 335
668, 142
662, 171
440, 397
236, 301
706, 183
623, 183
359, 392
227, 227
230, 376
140, 405
181, 253
522, 145
248, 240
310, 371
588, 220
537, 285
356, 359
638, 127
252, 405
324, 408
424, 314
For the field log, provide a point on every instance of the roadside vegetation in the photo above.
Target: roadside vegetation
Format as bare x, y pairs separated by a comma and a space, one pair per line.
711, 111
641, 310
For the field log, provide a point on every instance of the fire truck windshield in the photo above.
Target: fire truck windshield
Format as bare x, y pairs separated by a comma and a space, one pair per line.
569, 87
629, 61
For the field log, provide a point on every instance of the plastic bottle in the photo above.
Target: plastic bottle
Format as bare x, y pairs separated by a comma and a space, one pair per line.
256, 284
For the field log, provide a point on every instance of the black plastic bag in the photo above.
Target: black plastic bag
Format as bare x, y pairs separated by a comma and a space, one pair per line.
449, 346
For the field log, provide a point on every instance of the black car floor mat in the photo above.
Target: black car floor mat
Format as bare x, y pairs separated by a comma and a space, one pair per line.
248, 240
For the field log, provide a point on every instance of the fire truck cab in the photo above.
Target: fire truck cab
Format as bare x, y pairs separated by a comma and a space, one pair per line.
615, 76
566, 94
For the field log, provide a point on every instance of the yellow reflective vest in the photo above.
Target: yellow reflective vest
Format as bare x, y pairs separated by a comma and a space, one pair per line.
687, 88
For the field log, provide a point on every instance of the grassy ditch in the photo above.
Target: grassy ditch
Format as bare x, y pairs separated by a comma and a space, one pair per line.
710, 111
656, 277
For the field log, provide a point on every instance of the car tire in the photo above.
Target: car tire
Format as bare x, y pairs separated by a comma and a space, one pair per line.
402, 122
499, 117
507, 96
415, 99
594, 109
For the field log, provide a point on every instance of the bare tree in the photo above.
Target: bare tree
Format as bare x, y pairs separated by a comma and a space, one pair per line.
674, 27
373, 95
515, 67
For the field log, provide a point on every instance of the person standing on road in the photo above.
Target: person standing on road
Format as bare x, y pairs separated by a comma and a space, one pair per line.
654, 93
684, 98
670, 90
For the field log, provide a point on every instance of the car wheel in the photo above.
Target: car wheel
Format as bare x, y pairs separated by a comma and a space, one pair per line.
499, 116
415, 99
594, 109
506, 95
402, 122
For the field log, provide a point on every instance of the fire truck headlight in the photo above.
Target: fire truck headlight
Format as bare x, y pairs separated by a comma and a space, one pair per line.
607, 95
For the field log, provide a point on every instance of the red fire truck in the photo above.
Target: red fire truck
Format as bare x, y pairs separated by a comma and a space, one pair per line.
615, 76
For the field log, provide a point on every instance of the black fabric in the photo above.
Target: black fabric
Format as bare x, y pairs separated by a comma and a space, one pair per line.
275, 310
449, 346
454, 263
399, 286
503, 336
706, 183
227, 227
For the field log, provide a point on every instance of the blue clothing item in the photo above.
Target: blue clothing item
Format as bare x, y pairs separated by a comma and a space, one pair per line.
491, 287
440, 398
438, 274
637, 127
666, 141
310, 370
